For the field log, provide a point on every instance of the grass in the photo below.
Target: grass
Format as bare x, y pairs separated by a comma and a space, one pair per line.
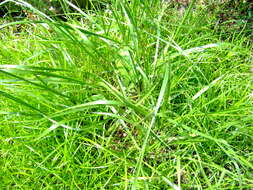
135, 96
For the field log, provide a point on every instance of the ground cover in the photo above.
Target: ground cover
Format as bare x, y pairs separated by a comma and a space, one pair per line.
137, 95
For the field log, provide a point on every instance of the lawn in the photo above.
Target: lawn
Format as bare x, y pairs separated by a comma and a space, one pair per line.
136, 95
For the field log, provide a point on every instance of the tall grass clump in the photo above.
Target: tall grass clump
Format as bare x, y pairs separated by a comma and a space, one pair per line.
132, 96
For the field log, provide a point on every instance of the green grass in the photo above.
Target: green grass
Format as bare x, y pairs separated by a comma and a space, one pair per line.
135, 96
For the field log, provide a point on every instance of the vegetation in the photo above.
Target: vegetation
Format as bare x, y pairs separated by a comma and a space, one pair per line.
138, 95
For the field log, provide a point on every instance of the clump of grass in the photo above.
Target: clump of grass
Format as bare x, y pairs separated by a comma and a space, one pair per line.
133, 96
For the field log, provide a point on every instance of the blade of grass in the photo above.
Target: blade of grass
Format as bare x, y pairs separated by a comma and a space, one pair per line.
152, 124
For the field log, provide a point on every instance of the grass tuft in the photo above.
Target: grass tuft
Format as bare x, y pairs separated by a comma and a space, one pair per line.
133, 96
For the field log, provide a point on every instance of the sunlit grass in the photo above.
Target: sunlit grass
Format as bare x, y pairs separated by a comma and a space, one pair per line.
132, 96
